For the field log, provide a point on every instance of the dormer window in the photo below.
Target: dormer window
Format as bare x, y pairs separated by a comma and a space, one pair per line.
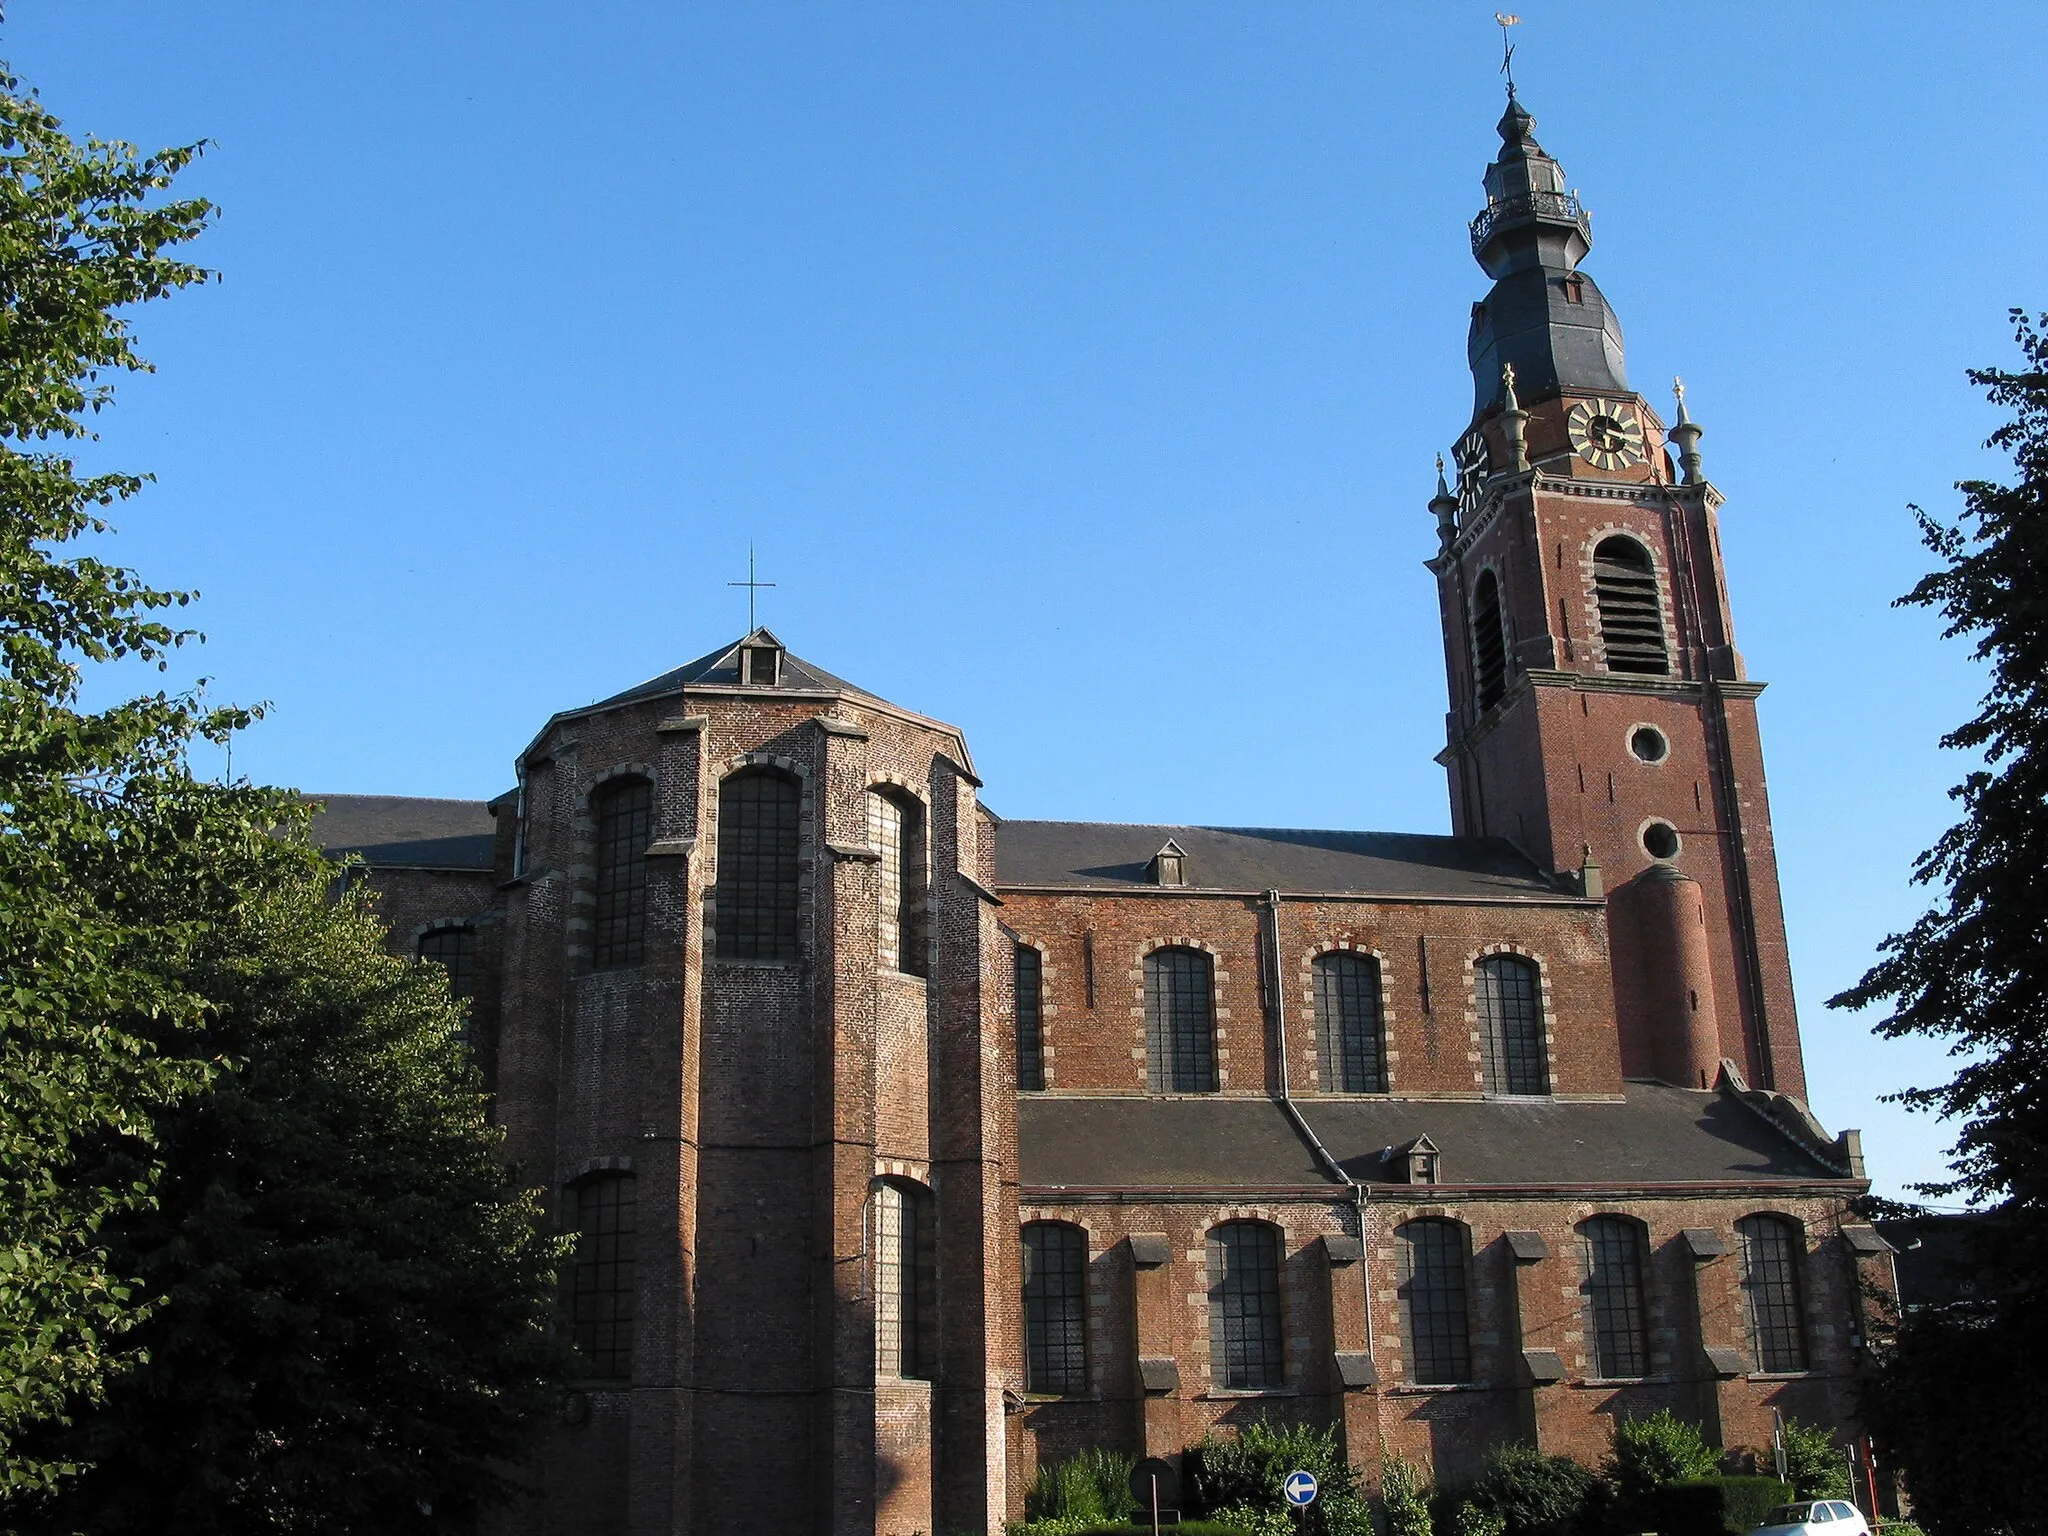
1169, 865
1418, 1162
760, 660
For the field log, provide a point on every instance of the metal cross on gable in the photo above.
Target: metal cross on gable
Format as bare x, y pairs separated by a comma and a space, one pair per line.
752, 587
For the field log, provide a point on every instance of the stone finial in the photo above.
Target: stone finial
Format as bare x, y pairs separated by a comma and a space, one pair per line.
1686, 433
1514, 421
1445, 506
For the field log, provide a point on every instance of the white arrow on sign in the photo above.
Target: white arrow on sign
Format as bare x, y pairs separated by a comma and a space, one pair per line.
1300, 1488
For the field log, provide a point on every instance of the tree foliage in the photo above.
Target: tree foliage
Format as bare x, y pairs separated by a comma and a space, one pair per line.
1656, 1451
1955, 1400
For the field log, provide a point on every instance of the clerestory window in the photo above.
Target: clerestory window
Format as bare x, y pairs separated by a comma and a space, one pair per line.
1180, 1022
1511, 1045
1348, 1023
758, 866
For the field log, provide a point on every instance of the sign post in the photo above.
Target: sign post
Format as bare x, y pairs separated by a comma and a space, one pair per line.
1155, 1483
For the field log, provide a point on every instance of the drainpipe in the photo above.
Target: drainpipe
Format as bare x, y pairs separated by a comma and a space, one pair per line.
1276, 997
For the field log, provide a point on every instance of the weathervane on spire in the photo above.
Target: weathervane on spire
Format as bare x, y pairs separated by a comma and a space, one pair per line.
1507, 19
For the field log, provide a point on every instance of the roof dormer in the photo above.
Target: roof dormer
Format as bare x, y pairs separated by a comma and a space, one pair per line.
760, 660
1170, 865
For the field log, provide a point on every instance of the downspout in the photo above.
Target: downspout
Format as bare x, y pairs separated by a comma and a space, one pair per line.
1276, 998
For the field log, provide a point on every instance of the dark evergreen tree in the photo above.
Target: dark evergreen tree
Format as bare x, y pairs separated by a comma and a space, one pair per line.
1956, 1401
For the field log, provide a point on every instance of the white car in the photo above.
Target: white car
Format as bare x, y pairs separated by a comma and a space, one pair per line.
1835, 1517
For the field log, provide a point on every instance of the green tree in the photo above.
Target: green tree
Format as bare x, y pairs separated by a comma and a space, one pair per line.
1405, 1496
1652, 1452
1955, 1399
1532, 1492
1814, 1465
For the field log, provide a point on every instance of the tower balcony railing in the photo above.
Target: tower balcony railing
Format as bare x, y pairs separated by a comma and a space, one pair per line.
1561, 206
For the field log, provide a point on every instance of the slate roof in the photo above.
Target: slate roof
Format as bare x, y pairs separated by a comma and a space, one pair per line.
721, 669
1660, 1135
1117, 856
405, 831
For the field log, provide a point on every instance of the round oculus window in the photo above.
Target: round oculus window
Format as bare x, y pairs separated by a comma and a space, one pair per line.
1660, 840
1648, 744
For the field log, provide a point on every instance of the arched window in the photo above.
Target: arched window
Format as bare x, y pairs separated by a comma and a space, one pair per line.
1511, 1025
757, 866
1771, 1247
1246, 1347
904, 1244
1348, 1023
624, 810
454, 949
896, 831
1611, 1259
1631, 623
1433, 1310
1180, 1022
1030, 1019
1489, 642
1055, 1308
601, 1285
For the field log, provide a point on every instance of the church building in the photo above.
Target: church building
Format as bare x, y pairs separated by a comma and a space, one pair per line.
908, 1147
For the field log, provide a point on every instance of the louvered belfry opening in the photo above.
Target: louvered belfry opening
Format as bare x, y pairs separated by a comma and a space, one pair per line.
1489, 642
1631, 625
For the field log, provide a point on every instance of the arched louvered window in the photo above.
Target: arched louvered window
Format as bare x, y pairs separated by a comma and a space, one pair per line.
1771, 1248
1055, 1308
624, 811
1489, 642
454, 949
1511, 1025
758, 852
1180, 1022
1434, 1314
1612, 1260
601, 1279
904, 1243
1348, 1023
1247, 1350
1631, 622
896, 831
1030, 1019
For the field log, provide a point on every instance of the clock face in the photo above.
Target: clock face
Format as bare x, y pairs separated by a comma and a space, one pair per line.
1606, 433
1471, 459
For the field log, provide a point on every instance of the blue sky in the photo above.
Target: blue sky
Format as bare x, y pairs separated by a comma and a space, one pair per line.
1077, 369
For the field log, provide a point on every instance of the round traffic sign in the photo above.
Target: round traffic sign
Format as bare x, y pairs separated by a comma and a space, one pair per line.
1300, 1489
1154, 1476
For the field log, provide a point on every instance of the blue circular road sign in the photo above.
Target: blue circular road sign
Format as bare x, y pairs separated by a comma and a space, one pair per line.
1300, 1489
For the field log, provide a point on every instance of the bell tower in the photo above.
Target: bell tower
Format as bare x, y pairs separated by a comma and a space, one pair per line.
1600, 716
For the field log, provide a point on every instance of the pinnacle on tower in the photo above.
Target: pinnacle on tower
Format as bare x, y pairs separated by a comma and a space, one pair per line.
1686, 433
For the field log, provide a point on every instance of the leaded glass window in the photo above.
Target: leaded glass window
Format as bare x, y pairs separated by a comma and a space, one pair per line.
1771, 1247
905, 1279
625, 820
1511, 1025
1611, 1259
1180, 1022
455, 950
1246, 1344
758, 850
896, 832
1055, 1308
1348, 1023
601, 1281
1433, 1307
1030, 1019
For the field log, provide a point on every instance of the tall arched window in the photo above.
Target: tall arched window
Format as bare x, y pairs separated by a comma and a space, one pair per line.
1055, 1308
1348, 1023
454, 949
1246, 1344
1771, 1247
1489, 642
624, 810
1631, 623
601, 1281
1611, 1259
1511, 1025
758, 852
1180, 1022
1433, 1309
904, 1245
1030, 1019
896, 831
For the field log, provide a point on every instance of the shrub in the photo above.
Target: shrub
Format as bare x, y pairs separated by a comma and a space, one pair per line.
1746, 1500
1405, 1499
1244, 1472
1814, 1464
1475, 1519
1089, 1488
1655, 1452
1532, 1492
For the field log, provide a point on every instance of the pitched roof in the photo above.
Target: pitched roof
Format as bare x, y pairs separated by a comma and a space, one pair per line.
1659, 1135
1104, 855
721, 669
405, 831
